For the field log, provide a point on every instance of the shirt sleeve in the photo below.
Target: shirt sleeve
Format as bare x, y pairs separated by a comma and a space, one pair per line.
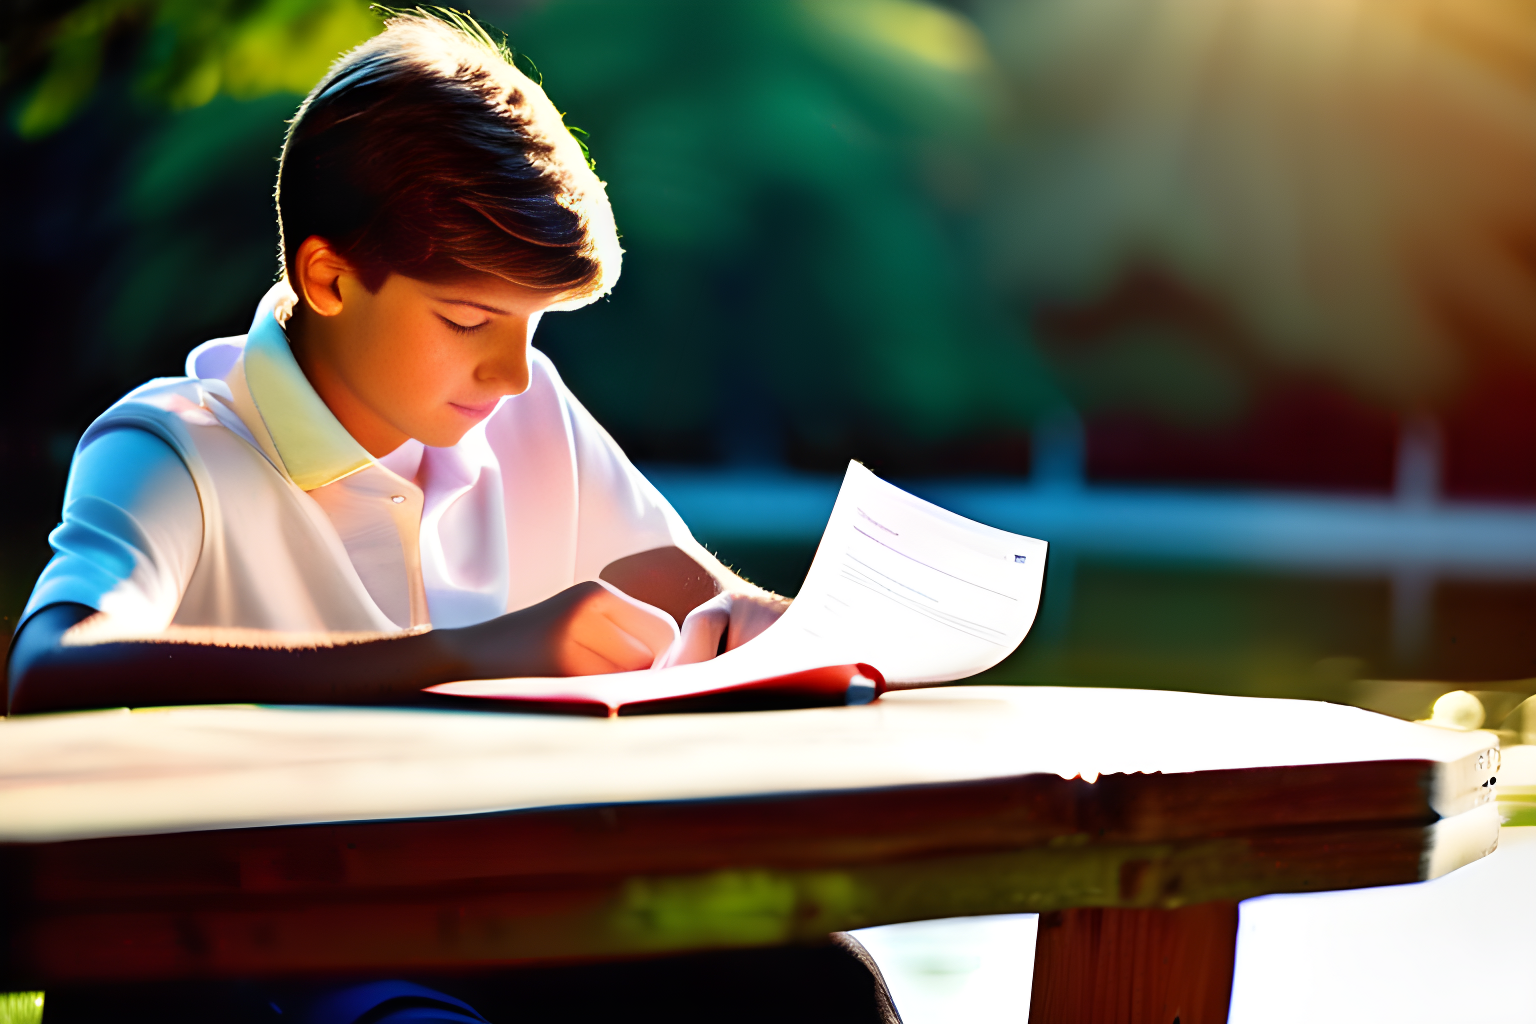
131, 533
619, 511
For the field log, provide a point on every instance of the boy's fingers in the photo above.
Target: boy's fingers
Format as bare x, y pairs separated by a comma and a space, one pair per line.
577, 659
650, 625
700, 639
751, 615
612, 632
595, 631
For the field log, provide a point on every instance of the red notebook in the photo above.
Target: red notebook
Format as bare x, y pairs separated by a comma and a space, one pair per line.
648, 693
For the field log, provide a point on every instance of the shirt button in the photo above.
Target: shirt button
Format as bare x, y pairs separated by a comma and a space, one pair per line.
397, 498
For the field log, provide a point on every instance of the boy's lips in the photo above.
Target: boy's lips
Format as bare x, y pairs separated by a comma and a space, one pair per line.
479, 411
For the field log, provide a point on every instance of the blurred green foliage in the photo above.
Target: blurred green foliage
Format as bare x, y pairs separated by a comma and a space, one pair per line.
1346, 185
798, 187
200, 236
21, 1007
191, 51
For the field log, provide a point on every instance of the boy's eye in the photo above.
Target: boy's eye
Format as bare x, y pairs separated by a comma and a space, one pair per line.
454, 325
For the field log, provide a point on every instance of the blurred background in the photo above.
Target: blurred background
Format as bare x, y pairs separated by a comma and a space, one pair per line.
1231, 301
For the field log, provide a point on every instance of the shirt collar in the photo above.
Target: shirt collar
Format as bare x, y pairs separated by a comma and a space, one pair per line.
315, 448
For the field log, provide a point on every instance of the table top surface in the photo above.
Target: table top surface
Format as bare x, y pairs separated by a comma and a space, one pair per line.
121, 773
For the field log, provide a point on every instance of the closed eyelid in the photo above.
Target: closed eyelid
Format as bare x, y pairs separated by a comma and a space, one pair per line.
461, 328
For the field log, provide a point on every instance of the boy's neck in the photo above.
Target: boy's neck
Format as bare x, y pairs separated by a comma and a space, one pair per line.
307, 336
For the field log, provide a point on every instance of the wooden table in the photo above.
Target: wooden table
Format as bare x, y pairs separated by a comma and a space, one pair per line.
236, 842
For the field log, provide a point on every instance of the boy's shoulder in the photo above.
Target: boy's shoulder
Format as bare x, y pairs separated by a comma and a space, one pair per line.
165, 407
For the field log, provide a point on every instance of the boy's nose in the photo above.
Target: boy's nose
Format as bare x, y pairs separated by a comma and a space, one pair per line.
506, 366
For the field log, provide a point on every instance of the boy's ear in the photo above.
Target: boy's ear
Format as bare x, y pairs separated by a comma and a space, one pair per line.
319, 269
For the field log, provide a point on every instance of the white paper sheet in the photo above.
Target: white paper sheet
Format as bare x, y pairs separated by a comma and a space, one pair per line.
918, 592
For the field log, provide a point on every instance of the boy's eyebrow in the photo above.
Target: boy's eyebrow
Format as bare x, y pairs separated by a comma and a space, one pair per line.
477, 305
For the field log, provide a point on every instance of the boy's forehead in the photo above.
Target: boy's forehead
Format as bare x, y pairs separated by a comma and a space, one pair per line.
489, 292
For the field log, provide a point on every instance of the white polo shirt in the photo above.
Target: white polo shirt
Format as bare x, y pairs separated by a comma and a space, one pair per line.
169, 520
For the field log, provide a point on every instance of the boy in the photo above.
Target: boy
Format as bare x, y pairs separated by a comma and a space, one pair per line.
381, 487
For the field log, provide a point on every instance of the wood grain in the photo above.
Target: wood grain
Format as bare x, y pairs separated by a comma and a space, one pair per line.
637, 879
1106, 966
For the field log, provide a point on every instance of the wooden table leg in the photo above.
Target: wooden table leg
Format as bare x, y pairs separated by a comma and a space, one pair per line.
1111, 966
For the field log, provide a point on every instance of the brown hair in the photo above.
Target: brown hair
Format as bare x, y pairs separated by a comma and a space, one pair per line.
425, 152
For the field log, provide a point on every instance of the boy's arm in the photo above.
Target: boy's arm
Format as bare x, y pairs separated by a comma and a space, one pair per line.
55, 666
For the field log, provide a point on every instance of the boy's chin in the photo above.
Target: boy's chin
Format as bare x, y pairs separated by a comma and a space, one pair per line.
442, 435
446, 425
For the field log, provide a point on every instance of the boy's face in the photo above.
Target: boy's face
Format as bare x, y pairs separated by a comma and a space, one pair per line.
417, 359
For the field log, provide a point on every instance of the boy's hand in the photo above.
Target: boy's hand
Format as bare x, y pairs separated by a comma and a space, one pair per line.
583, 630
733, 618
